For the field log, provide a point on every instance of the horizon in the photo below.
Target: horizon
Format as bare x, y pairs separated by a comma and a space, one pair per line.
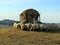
49, 9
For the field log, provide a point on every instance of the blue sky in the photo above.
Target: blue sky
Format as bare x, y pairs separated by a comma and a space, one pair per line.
49, 9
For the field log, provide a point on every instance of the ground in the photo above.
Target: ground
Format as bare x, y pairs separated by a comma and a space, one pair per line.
10, 36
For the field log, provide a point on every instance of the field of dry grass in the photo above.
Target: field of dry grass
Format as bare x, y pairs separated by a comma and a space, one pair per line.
9, 36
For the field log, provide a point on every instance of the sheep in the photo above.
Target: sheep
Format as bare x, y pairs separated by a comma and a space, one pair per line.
23, 27
43, 27
35, 27
17, 26
28, 26
52, 27
14, 25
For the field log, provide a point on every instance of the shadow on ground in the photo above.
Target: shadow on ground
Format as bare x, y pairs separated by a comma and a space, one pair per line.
49, 31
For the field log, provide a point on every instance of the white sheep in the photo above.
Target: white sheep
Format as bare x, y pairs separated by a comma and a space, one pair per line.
35, 27
23, 27
19, 26
43, 27
14, 25
28, 26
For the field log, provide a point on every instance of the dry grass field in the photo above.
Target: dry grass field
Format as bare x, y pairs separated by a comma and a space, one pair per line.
9, 36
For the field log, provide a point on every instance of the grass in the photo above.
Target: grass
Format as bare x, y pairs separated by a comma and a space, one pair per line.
10, 36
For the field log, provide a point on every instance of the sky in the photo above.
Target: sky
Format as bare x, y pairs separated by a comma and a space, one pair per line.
49, 9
